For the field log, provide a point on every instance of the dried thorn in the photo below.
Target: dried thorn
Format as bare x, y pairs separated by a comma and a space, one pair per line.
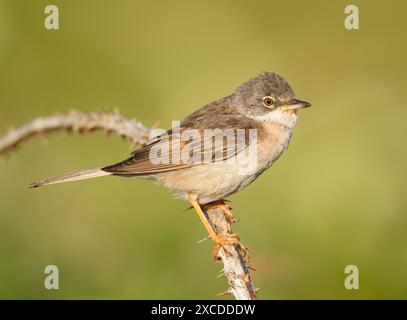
245, 252
251, 268
243, 247
42, 137
204, 239
224, 293
155, 125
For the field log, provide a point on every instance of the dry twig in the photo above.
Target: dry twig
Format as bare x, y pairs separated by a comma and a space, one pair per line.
110, 122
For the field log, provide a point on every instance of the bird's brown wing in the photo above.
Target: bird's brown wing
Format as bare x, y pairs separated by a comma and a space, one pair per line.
200, 148
143, 161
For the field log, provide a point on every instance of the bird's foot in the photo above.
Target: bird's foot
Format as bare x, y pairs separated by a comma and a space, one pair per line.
221, 242
222, 204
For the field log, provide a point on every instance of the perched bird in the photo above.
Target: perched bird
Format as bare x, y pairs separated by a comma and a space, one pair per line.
257, 119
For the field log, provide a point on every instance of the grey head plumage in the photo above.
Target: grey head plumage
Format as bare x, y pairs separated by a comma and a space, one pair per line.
248, 96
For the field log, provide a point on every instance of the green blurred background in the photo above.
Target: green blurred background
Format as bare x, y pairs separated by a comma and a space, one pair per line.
337, 197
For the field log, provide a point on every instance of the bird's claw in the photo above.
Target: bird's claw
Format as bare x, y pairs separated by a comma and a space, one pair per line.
221, 242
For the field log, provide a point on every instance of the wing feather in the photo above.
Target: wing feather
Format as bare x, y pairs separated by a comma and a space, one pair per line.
203, 145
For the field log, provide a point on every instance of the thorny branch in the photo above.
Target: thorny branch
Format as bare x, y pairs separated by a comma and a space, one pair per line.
235, 261
110, 122
234, 257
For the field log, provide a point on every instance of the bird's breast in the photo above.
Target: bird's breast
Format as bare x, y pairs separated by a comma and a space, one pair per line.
272, 142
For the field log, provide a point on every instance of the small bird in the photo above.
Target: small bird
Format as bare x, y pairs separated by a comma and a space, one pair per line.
264, 109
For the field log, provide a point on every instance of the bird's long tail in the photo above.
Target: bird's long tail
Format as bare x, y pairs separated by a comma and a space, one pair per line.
73, 176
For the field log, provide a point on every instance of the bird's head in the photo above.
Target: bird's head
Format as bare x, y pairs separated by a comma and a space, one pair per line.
268, 97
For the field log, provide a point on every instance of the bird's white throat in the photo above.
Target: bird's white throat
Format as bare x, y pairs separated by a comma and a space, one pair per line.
285, 118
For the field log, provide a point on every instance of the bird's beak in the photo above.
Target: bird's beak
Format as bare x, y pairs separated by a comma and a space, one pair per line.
295, 104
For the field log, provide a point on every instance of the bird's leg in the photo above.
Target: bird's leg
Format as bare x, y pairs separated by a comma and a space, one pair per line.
232, 239
224, 206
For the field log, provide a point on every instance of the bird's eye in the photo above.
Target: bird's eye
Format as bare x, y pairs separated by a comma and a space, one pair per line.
268, 101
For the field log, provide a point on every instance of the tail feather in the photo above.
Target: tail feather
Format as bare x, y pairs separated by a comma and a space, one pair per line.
73, 176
